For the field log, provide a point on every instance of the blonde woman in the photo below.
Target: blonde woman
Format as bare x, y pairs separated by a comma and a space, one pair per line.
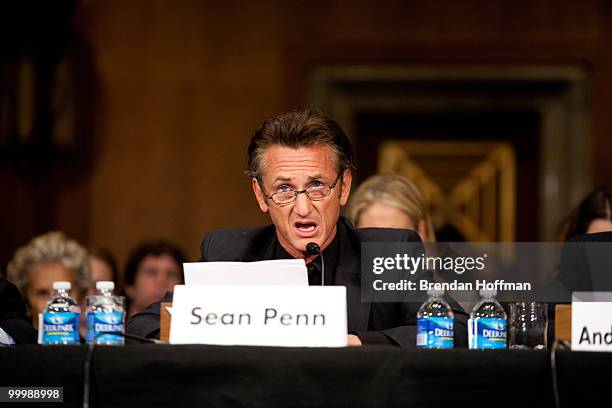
46, 259
393, 201
390, 201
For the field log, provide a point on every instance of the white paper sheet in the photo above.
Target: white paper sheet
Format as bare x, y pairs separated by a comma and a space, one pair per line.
281, 272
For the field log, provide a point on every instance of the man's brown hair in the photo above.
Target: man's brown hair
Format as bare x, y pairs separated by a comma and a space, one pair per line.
299, 128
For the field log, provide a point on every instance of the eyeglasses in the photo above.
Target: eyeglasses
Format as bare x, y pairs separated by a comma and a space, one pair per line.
315, 192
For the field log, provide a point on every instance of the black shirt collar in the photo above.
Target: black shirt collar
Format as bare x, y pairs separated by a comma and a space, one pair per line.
314, 267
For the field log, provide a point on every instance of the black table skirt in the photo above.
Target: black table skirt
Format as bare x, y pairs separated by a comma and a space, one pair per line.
211, 376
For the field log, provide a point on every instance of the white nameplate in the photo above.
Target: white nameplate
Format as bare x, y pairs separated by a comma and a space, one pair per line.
592, 321
259, 316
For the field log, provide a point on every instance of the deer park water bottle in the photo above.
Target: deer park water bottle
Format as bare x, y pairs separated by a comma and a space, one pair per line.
61, 318
435, 321
487, 327
105, 316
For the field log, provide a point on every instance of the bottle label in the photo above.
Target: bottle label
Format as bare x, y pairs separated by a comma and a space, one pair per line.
487, 333
61, 328
100, 324
435, 332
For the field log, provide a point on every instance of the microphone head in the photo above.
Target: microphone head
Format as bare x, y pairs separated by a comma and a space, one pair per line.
312, 248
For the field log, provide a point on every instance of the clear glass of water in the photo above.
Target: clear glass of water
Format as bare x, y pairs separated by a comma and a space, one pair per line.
527, 326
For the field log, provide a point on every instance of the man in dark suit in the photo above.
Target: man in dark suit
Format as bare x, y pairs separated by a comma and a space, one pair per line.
585, 265
14, 325
586, 262
301, 166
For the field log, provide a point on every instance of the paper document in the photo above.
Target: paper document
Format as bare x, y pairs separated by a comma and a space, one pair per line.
280, 272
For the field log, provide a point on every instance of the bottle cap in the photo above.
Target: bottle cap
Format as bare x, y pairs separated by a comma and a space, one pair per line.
62, 285
488, 292
435, 292
109, 285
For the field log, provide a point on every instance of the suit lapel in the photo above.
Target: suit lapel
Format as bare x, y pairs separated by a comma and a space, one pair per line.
348, 274
263, 246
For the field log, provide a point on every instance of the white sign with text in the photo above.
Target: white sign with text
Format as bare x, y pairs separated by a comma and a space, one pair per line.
289, 316
592, 321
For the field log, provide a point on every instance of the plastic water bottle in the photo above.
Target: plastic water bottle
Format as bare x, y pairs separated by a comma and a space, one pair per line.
487, 327
105, 315
435, 322
61, 318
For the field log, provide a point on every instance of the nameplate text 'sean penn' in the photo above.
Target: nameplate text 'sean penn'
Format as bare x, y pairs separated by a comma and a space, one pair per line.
259, 316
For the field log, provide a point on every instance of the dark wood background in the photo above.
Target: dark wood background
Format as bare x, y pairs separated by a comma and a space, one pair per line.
169, 93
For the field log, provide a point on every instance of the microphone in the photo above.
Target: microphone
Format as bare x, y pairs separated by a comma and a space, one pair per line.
312, 248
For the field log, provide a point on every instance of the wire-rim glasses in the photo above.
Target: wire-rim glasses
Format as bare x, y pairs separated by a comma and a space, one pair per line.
314, 193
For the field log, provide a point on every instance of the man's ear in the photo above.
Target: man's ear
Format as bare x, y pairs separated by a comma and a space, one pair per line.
259, 195
347, 179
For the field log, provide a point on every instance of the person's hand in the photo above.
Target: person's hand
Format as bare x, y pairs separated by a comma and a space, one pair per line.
353, 341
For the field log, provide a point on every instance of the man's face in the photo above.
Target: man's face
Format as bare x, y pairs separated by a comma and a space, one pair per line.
303, 220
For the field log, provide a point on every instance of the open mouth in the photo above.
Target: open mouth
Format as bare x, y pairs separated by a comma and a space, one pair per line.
306, 228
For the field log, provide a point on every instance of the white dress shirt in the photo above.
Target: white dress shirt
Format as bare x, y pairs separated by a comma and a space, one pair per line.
5, 338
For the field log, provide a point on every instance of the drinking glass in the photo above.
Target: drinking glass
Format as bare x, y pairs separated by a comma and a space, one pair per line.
527, 326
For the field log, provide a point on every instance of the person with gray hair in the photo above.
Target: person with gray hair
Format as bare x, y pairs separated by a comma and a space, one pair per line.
48, 258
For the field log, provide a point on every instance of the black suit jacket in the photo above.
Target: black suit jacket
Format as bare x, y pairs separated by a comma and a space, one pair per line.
373, 322
586, 263
584, 266
13, 319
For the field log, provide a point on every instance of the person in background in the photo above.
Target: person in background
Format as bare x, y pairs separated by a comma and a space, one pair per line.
393, 201
15, 327
153, 268
103, 267
593, 215
584, 255
390, 201
49, 258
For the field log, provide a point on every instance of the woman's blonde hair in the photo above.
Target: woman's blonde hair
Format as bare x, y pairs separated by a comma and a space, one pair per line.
394, 190
53, 246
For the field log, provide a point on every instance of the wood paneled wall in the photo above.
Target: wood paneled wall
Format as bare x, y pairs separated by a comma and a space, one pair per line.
183, 85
